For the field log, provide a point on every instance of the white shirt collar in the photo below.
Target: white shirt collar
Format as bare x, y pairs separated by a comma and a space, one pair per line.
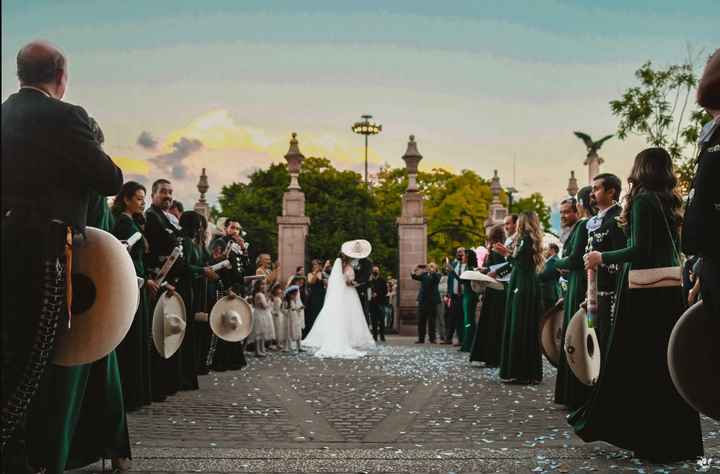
602, 213
37, 89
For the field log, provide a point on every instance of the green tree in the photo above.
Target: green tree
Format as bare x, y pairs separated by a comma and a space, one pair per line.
657, 109
535, 202
341, 208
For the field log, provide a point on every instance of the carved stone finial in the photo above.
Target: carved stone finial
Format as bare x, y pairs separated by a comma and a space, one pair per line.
294, 159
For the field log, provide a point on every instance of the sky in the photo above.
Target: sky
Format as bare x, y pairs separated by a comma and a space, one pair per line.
178, 86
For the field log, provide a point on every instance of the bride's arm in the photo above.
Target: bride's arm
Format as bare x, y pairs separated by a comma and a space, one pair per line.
349, 274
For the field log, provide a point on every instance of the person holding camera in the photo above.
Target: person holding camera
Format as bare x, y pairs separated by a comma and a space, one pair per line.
428, 299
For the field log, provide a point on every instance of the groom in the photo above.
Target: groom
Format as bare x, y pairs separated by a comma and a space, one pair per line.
363, 268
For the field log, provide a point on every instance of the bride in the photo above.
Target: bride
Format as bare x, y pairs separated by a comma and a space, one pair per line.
340, 330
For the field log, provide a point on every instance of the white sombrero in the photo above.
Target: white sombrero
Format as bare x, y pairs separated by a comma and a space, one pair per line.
356, 248
169, 323
480, 280
231, 319
104, 302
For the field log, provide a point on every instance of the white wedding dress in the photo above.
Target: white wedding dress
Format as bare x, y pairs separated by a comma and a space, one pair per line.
340, 330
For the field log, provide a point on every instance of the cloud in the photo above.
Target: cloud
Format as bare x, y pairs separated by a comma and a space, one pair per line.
174, 164
147, 141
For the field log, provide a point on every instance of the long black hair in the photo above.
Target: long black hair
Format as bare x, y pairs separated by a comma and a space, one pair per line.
191, 224
584, 197
127, 191
653, 172
472, 261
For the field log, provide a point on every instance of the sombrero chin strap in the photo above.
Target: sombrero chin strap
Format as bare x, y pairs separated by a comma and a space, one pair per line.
54, 298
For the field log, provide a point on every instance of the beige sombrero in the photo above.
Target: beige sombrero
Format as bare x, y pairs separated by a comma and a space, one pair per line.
104, 302
356, 248
480, 280
169, 323
231, 319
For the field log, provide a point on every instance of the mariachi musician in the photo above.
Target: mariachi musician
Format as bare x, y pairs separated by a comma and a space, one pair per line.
51, 164
162, 236
702, 214
224, 355
605, 234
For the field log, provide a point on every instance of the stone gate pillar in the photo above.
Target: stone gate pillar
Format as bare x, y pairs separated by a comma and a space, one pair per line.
412, 239
202, 206
496, 211
293, 225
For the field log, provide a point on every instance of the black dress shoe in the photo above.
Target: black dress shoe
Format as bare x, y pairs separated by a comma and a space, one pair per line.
433, 341
419, 342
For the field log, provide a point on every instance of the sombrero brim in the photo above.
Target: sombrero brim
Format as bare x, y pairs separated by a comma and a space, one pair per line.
167, 345
225, 333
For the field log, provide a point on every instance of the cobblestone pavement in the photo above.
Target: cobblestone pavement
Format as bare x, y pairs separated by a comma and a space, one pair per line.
403, 408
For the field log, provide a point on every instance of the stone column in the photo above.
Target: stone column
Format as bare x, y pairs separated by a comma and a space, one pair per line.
293, 225
496, 211
412, 239
593, 162
202, 206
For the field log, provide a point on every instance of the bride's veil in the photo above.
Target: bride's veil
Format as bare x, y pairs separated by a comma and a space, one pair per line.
335, 282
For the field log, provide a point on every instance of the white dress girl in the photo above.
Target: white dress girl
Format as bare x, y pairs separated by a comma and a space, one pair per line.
263, 326
281, 323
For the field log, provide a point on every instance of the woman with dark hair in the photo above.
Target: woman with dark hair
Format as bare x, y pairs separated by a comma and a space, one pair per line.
635, 405
193, 268
569, 391
316, 283
488, 336
520, 360
470, 301
201, 302
133, 352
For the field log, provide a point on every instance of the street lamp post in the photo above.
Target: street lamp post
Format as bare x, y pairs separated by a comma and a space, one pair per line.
366, 127
510, 190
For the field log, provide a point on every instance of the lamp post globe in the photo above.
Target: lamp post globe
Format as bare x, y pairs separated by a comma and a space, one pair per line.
367, 126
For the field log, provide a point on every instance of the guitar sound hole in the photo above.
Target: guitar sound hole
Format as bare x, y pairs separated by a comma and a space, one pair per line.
590, 346
84, 293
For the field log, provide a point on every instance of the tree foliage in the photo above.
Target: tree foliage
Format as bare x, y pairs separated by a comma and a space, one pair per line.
657, 109
341, 208
535, 202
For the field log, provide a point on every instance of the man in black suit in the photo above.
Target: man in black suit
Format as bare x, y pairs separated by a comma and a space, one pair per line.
378, 301
51, 165
701, 225
428, 300
161, 232
604, 235
363, 268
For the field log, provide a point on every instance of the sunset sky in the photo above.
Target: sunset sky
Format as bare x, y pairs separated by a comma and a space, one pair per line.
182, 85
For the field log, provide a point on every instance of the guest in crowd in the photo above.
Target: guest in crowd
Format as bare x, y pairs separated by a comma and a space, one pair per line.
378, 301
316, 282
470, 301
176, 209
520, 360
549, 284
635, 405
427, 299
487, 343
265, 268
442, 307
454, 324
